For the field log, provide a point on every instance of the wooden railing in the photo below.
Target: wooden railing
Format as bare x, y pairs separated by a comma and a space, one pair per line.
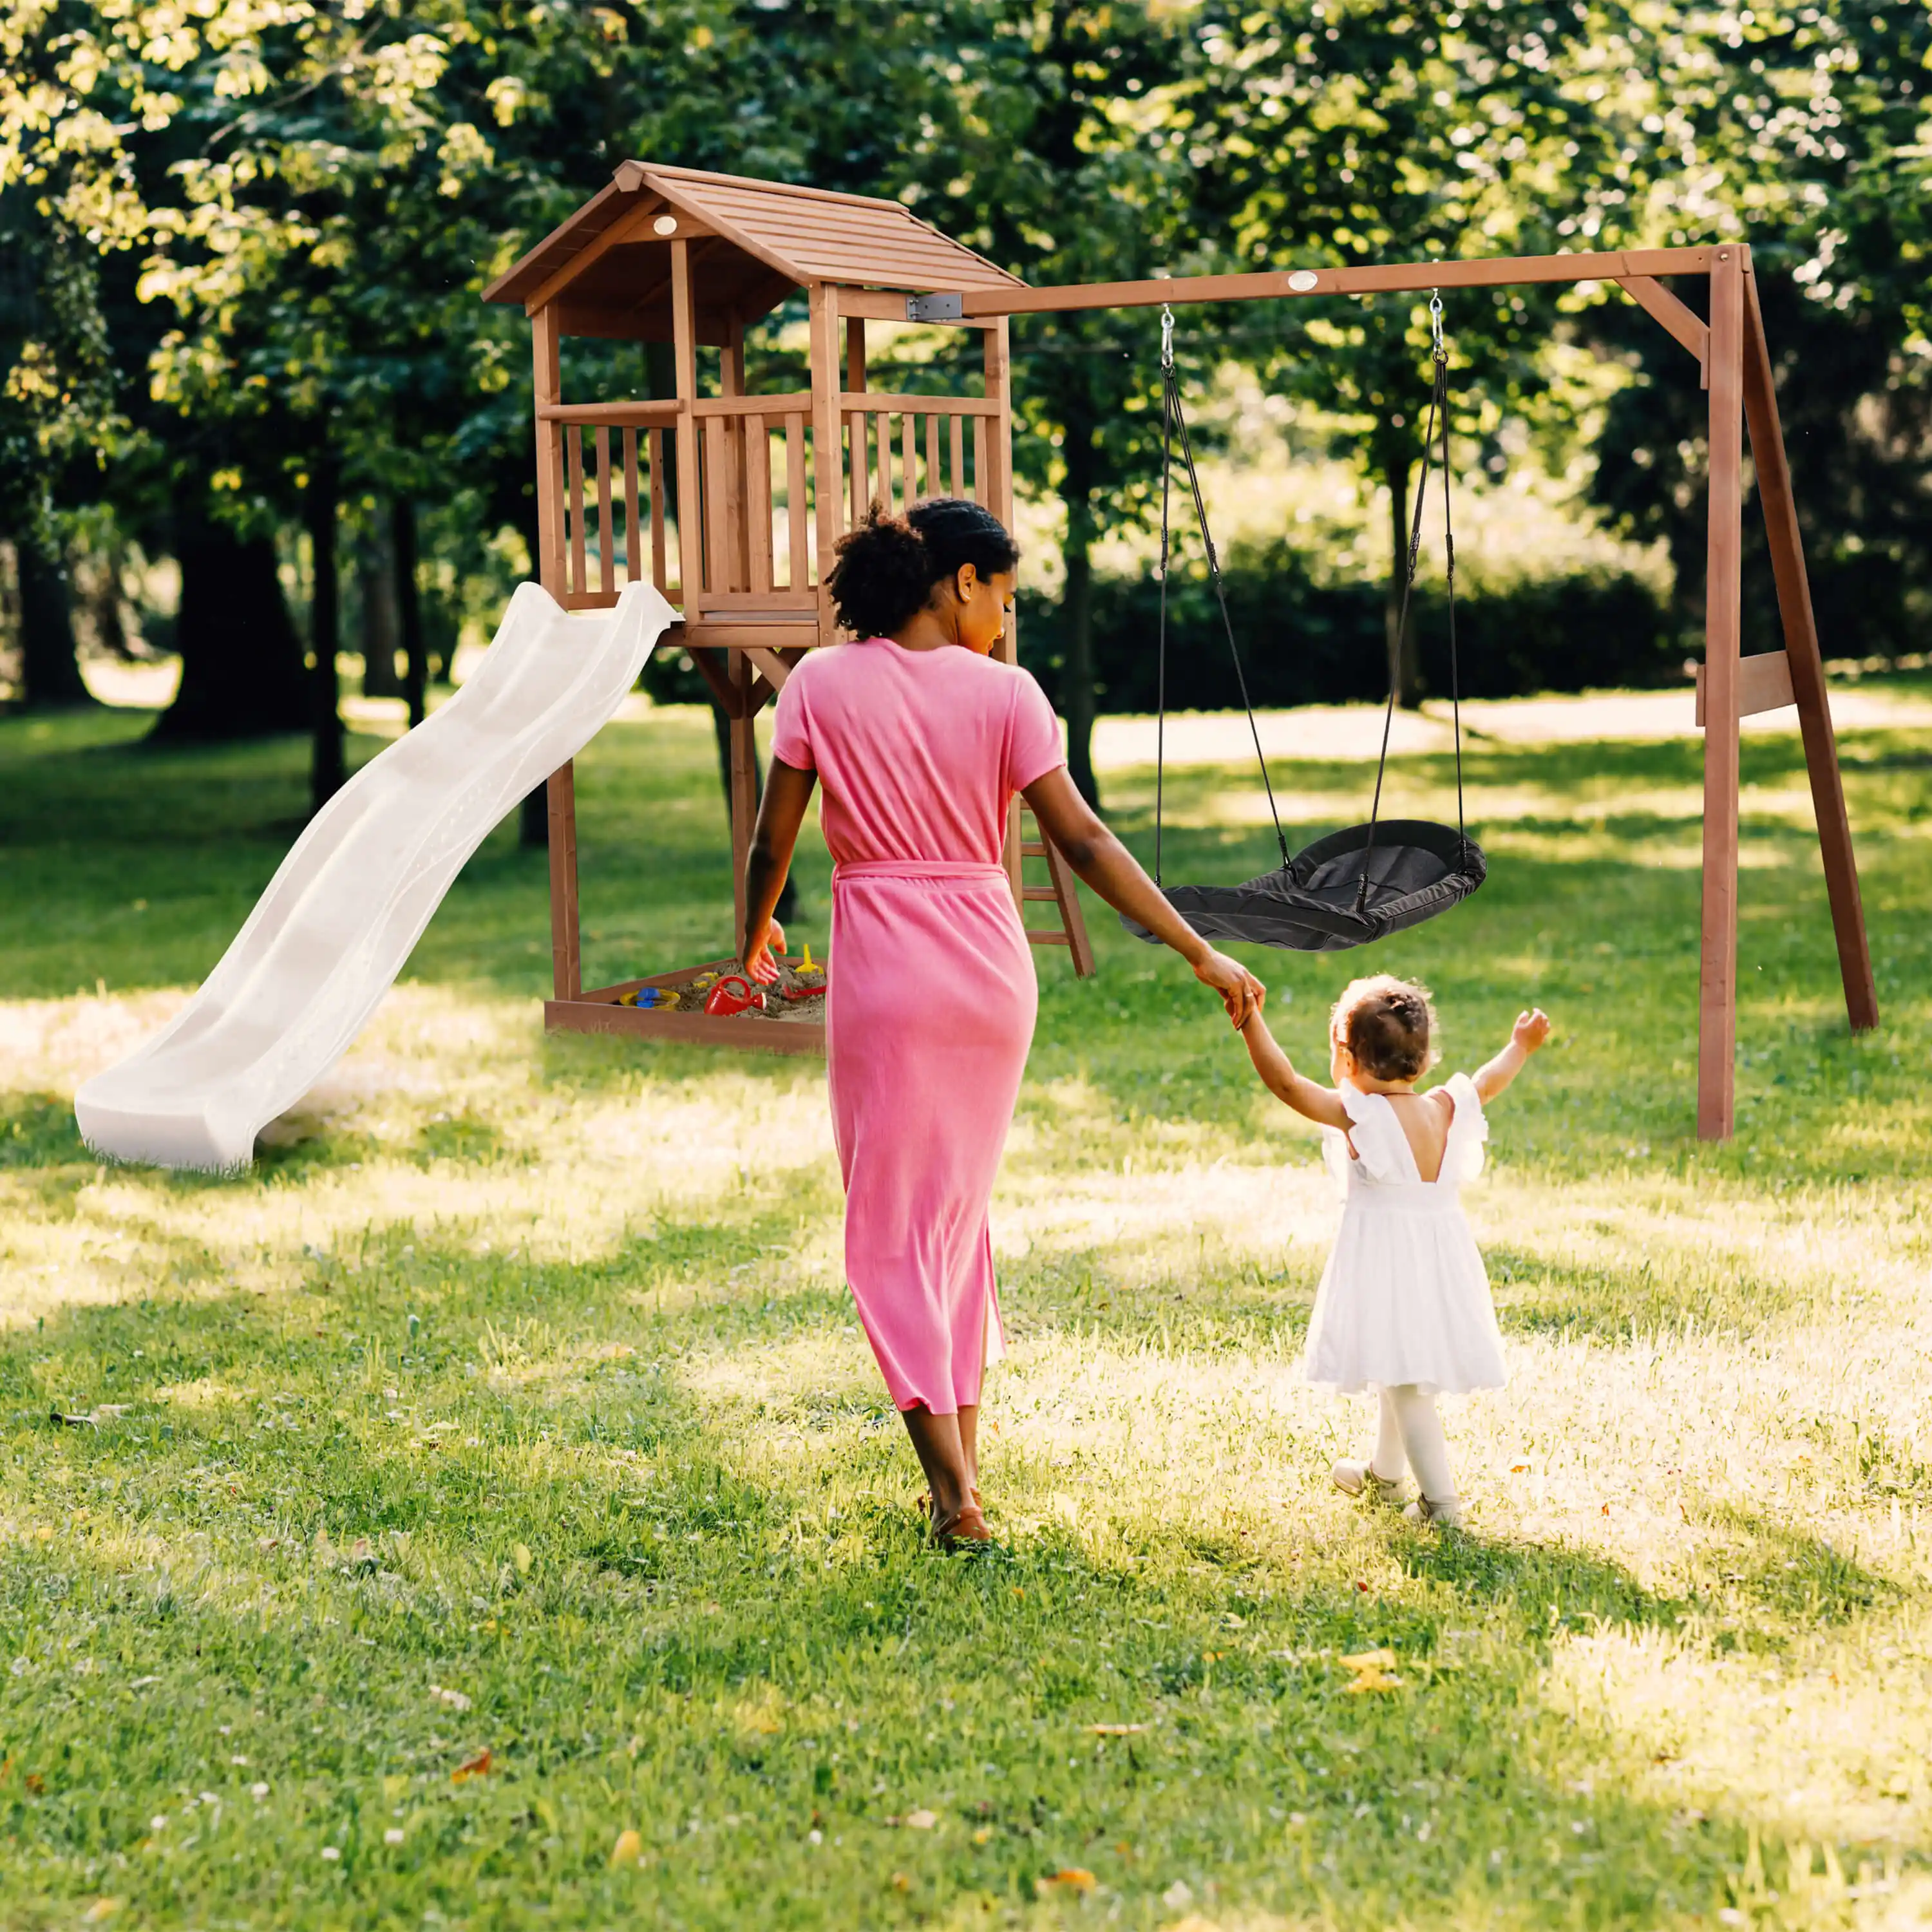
926, 455
757, 556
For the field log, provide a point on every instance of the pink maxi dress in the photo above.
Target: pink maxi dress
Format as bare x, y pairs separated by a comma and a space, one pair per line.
932, 995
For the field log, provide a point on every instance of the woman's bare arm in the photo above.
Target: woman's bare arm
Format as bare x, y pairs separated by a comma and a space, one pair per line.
1112, 870
1321, 1105
781, 812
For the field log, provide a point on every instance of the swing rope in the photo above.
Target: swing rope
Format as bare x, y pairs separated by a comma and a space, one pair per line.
1438, 413
1175, 419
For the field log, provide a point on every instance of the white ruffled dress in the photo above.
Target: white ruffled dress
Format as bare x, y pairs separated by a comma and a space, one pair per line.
1405, 1297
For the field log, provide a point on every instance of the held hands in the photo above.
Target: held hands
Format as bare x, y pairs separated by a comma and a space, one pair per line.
1241, 993
1531, 1030
758, 966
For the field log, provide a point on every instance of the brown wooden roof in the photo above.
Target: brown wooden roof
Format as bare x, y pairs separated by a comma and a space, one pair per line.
753, 244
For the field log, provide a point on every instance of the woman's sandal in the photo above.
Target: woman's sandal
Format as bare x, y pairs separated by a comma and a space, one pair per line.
966, 1526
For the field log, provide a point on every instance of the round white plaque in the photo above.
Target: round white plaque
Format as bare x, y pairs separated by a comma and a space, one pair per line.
1303, 280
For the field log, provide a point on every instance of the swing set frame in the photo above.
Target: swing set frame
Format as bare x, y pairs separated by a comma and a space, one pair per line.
688, 258
1735, 366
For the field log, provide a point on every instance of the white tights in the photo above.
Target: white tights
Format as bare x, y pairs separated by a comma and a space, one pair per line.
1410, 1436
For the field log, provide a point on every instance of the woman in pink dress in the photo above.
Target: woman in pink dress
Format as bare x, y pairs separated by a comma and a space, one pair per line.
921, 739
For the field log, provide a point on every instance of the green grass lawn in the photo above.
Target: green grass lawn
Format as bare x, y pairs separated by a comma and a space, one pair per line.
498, 1470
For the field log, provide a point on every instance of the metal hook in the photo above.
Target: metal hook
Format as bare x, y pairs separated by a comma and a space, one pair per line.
1435, 324
1166, 336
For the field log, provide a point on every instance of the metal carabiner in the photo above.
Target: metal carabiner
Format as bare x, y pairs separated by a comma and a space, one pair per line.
1166, 336
1435, 324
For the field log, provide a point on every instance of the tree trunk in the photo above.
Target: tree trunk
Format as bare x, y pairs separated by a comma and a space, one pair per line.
408, 609
381, 625
50, 676
1076, 607
242, 658
326, 766
533, 816
1404, 665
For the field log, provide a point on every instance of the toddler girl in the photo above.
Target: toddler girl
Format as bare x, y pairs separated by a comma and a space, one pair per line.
1404, 1302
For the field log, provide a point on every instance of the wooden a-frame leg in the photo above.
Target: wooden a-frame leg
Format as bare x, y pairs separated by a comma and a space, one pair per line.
1717, 967
565, 952
1807, 669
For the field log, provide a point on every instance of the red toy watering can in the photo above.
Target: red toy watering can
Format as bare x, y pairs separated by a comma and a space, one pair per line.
733, 994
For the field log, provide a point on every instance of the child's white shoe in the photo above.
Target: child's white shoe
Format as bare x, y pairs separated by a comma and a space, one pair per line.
1448, 1512
1354, 1478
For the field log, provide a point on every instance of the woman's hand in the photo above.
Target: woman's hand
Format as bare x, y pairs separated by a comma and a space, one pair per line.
758, 942
1241, 993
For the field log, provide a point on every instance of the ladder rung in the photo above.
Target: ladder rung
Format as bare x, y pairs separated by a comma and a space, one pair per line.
1038, 937
1028, 849
1039, 892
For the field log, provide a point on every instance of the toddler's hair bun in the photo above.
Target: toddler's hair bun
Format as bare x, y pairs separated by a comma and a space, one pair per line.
1388, 1025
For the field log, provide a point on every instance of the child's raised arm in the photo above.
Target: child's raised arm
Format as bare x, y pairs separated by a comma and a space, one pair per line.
1531, 1030
1322, 1105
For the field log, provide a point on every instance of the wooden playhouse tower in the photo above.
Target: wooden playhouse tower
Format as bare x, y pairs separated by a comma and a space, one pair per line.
730, 503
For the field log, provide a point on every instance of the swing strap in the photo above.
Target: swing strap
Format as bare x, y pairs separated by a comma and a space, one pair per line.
1174, 423
1439, 416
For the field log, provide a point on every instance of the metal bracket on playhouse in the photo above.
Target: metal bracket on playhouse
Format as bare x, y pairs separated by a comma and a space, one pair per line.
936, 308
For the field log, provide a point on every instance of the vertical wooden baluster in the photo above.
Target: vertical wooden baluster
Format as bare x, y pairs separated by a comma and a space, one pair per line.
580, 577
958, 424
978, 492
607, 561
882, 428
738, 497
758, 509
718, 574
634, 548
660, 568
909, 466
935, 483
799, 568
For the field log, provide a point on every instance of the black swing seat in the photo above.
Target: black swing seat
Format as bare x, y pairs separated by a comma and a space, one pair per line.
1415, 869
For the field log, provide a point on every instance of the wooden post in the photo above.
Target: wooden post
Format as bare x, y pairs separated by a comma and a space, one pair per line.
690, 500
995, 492
855, 422
1806, 666
826, 476
744, 786
1717, 972
560, 792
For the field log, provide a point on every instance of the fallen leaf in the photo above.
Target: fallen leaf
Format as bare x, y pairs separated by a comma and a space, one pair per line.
1369, 1660
36, 1784
478, 1767
1373, 1680
628, 1850
921, 1820
1116, 1730
900, 1883
101, 1908
1075, 1878
520, 1555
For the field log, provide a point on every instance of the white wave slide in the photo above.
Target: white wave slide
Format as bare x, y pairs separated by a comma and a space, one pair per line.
350, 901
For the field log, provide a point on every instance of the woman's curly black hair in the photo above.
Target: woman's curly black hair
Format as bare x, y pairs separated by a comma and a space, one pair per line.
886, 568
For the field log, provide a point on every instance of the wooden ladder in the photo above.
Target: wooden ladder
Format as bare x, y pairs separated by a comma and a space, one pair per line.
1071, 931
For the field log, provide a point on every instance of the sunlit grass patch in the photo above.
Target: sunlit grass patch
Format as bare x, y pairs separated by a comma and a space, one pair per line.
514, 1405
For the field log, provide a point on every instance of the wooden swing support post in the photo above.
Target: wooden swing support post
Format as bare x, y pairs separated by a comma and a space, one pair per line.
1736, 371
